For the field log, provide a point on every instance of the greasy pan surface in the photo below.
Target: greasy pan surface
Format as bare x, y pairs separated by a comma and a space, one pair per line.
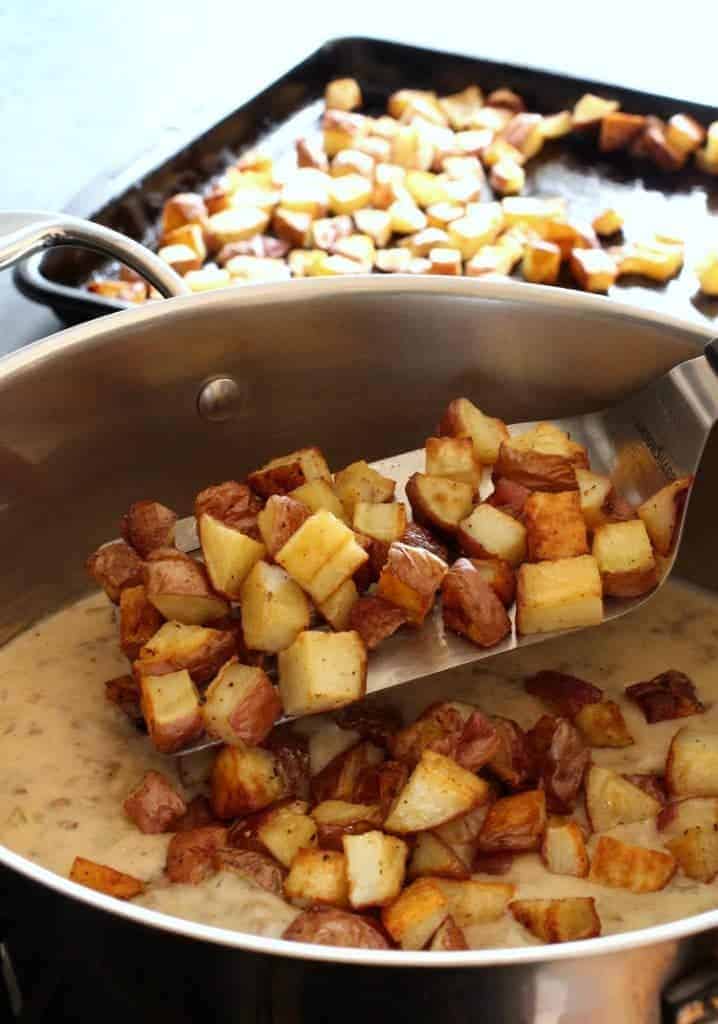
90, 418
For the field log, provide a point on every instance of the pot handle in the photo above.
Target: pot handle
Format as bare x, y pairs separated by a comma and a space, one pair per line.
24, 233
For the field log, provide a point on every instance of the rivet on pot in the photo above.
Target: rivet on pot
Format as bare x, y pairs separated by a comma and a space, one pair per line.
219, 400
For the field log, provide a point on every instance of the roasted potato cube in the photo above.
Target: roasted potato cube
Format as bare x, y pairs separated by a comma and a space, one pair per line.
431, 857
342, 129
208, 278
180, 257
591, 109
412, 149
470, 606
237, 224
124, 291
625, 558
246, 779
229, 555
340, 777
461, 107
500, 577
352, 161
359, 248
183, 208
425, 188
594, 491
667, 696
692, 763
393, 261
399, 101
612, 800
555, 126
594, 270
321, 671
148, 525
472, 902
707, 271
374, 223
349, 192
656, 259
330, 927
448, 938
490, 533
153, 805
335, 819
316, 878
564, 594
343, 94
478, 228
375, 619
285, 474
275, 610
389, 186
307, 190
439, 501
439, 728
192, 855
171, 709
662, 514
464, 419
385, 521
405, 217
139, 620
507, 178
280, 518
444, 261
176, 646
603, 725
319, 494
541, 262
696, 852
565, 694
440, 215
622, 866
619, 130
359, 482
437, 791
555, 527
565, 920
310, 153
375, 868
232, 503
454, 458
105, 879
410, 580
509, 497
321, 555
417, 914
338, 606
285, 830
679, 816
241, 705
653, 142
293, 226
180, 589
608, 222
327, 231
563, 848
542, 459
514, 823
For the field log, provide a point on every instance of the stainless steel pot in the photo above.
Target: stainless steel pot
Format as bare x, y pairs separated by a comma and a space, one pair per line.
204, 387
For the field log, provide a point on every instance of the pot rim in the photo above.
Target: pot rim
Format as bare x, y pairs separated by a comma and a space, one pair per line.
307, 290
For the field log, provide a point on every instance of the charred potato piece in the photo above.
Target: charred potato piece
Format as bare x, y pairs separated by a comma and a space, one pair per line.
115, 566
432, 857
625, 558
665, 697
513, 761
563, 594
603, 725
565, 694
191, 855
105, 879
622, 866
692, 763
275, 609
470, 606
612, 800
437, 791
139, 621
318, 878
180, 590
246, 779
555, 527
410, 580
154, 805
241, 705
175, 646
321, 671
490, 533
662, 514
565, 920
171, 708
514, 823
335, 928
563, 849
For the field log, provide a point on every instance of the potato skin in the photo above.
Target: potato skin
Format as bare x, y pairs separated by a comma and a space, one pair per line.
471, 607
335, 928
233, 503
139, 620
256, 867
154, 805
375, 619
115, 566
246, 780
190, 855
148, 525
554, 526
536, 471
124, 693
410, 580
283, 516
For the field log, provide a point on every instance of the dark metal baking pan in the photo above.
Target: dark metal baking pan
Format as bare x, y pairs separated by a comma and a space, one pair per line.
683, 203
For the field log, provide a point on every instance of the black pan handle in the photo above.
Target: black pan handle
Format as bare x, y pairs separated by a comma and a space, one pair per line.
24, 233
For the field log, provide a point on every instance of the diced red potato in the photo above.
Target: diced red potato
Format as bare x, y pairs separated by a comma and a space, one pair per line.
514, 823
417, 536
340, 778
115, 566
139, 620
241, 705
449, 937
253, 866
692, 812
563, 849
171, 709
432, 857
438, 728
279, 519
692, 763
181, 591
513, 761
335, 928
667, 696
410, 580
124, 693
612, 800
191, 855
335, 819
412, 919
246, 779
318, 878
603, 725
565, 694
508, 496
198, 814
200, 650
148, 525
375, 722
561, 759
233, 504
471, 607
154, 805
375, 619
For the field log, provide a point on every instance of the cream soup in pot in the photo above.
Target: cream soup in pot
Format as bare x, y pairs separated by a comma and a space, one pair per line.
69, 758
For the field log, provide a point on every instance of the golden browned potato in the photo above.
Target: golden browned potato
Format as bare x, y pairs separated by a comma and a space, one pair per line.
444, 261
321, 555
491, 533
507, 177
352, 161
279, 519
199, 649
612, 800
375, 619
555, 527
432, 857
563, 594
359, 482
191, 855
481, 226
622, 866
662, 514
253, 866
607, 222
191, 235
464, 419
375, 865
707, 271
349, 192
470, 606
625, 558
335, 819
696, 852
229, 555
183, 208
565, 920
542, 459
591, 109
327, 927
343, 94
653, 142
679, 816
275, 609
454, 458
105, 879
439, 501
338, 606
385, 521
284, 474
555, 126
410, 580
317, 878
115, 566
287, 829
541, 262
603, 725
692, 763
310, 153
461, 107
342, 129
473, 902
658, 259
619, 130
418, 912
563, 848
394, 261
148, 525
594, 492
171, 709
154, 805
294, 226
180, 589
241, 705
246, 779
449, 937
594, 270
438, 790
374, 223
500, 577
321, 671
514, 823
182, 258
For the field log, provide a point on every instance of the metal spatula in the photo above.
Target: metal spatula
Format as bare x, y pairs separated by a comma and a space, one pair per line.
653, 437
